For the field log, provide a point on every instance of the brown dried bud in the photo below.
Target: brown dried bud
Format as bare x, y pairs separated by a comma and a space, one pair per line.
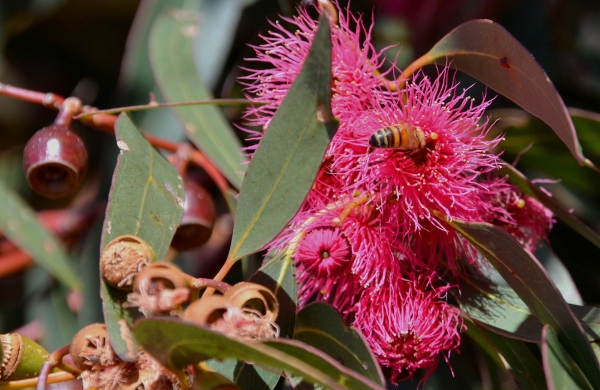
206, 311
20, 358
122, 259
256, 297
154, 376
217, 313
159, 288
90, 348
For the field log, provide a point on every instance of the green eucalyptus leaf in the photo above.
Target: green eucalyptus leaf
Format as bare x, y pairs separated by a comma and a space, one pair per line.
145, 200
146, 196
19, 224
524, 366
527, 277
498, 309
245, 375
321, 326
286, 163
176, 345
560, 369
345, 376
489, 53
172, 59
48, 306
119, 321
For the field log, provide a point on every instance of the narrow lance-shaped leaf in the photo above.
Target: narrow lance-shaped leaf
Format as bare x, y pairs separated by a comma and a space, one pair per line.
489, 53
172, 59
527, 277
289, 155
499, 309
176, 345
321, 326
524, 366
561, 372
19, 224
145, 200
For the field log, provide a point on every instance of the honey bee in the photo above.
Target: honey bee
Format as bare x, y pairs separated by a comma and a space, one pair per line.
402, 137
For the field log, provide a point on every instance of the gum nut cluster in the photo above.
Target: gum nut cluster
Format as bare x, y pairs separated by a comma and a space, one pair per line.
367, 239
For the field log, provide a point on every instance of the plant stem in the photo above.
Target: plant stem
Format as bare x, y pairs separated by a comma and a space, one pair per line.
220, 275
153, 105
99, 120
56, 377
420, 62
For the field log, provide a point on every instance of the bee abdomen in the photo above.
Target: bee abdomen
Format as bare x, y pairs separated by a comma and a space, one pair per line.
389, 137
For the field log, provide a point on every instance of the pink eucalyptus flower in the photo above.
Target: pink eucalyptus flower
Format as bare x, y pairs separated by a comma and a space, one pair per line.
371, 215
442, 176
408, 324
522, 216
323, 258
354, 64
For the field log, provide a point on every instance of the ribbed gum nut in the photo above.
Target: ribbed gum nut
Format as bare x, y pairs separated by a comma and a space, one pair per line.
198, 218
54, 161
123, 258
159, 272
22, 357
206, 311
90, 346
246, 295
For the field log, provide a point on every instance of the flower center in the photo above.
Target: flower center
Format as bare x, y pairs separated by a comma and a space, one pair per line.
324, 252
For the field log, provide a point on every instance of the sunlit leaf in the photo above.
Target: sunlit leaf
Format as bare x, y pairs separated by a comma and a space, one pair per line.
498, 309
19, 224
176, 345
558, 209
216, 34
289, 155
145, 200
146, 196
321, 326
119, 321
524, 366
329, 365
489, 53
172, 59
561, 371
136, 79
521, 270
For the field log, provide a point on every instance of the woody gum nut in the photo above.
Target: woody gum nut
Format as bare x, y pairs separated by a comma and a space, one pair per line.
123, 258
21, 357
159, 271
54, 161
90, 346
198, 218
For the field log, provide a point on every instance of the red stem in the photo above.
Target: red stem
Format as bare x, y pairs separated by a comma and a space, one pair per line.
45, 99
106, 123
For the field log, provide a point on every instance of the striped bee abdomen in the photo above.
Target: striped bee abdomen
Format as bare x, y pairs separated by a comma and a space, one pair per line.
402, 137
